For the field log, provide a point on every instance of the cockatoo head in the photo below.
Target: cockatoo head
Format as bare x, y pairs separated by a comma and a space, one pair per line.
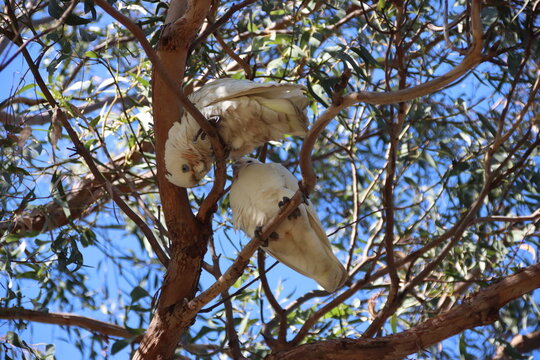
187, 160
187, 169
242, 163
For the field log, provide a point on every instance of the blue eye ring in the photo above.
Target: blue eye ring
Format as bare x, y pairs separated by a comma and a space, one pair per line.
185, 168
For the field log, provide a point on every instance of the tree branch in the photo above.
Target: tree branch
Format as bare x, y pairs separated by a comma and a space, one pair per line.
222, 20
81, 149
481, 309
520, 343
473, 58
79, 200
66, 319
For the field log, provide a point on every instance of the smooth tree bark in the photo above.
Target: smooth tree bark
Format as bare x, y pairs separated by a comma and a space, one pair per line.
187, 236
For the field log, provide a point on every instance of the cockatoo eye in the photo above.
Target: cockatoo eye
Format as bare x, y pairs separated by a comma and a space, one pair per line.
185, 168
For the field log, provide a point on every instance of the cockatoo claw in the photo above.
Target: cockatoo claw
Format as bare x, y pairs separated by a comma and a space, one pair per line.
295, 214
283, 202
258, 233
215, 120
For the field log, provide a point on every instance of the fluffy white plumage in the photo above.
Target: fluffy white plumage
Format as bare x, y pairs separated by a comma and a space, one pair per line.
302, 243
250, 114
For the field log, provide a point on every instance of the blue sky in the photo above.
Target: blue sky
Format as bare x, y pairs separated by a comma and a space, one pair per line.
65, 349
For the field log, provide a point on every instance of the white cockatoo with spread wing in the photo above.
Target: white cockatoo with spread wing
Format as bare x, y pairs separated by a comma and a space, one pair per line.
246, 115
300, 242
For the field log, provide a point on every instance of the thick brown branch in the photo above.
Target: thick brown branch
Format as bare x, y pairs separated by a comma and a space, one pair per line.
480, 309
79, 200
104, 328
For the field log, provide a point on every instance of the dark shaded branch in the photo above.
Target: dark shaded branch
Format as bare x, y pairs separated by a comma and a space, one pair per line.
480, 309
278, 310
222, 20
521, 343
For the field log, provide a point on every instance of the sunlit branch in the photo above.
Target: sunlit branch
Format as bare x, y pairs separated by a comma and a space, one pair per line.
480, 309
101, 327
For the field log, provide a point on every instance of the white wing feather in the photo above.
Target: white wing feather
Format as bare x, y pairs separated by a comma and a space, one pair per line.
251, 114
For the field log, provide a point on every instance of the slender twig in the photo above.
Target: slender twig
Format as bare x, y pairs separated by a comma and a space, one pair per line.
232, 336
446, 27
222, 20
473, 58
234, 56
81, 149
394, 129
278, 310
22, 45
354, 228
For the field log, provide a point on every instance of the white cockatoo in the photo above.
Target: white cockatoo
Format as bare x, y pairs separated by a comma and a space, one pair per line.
246, 115
300, 242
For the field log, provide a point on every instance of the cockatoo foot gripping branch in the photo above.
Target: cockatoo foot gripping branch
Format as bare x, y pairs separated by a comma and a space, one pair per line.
296, 212
212, 120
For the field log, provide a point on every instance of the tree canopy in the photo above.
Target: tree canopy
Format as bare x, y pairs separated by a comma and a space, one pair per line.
422, 160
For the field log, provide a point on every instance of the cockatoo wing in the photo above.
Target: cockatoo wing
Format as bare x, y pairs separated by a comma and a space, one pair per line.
226, 89
302, 244
253, 113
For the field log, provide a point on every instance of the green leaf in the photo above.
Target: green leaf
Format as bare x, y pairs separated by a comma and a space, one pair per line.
57, 11
24, 88
138, 293
118, 346
86, 35
366, 55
